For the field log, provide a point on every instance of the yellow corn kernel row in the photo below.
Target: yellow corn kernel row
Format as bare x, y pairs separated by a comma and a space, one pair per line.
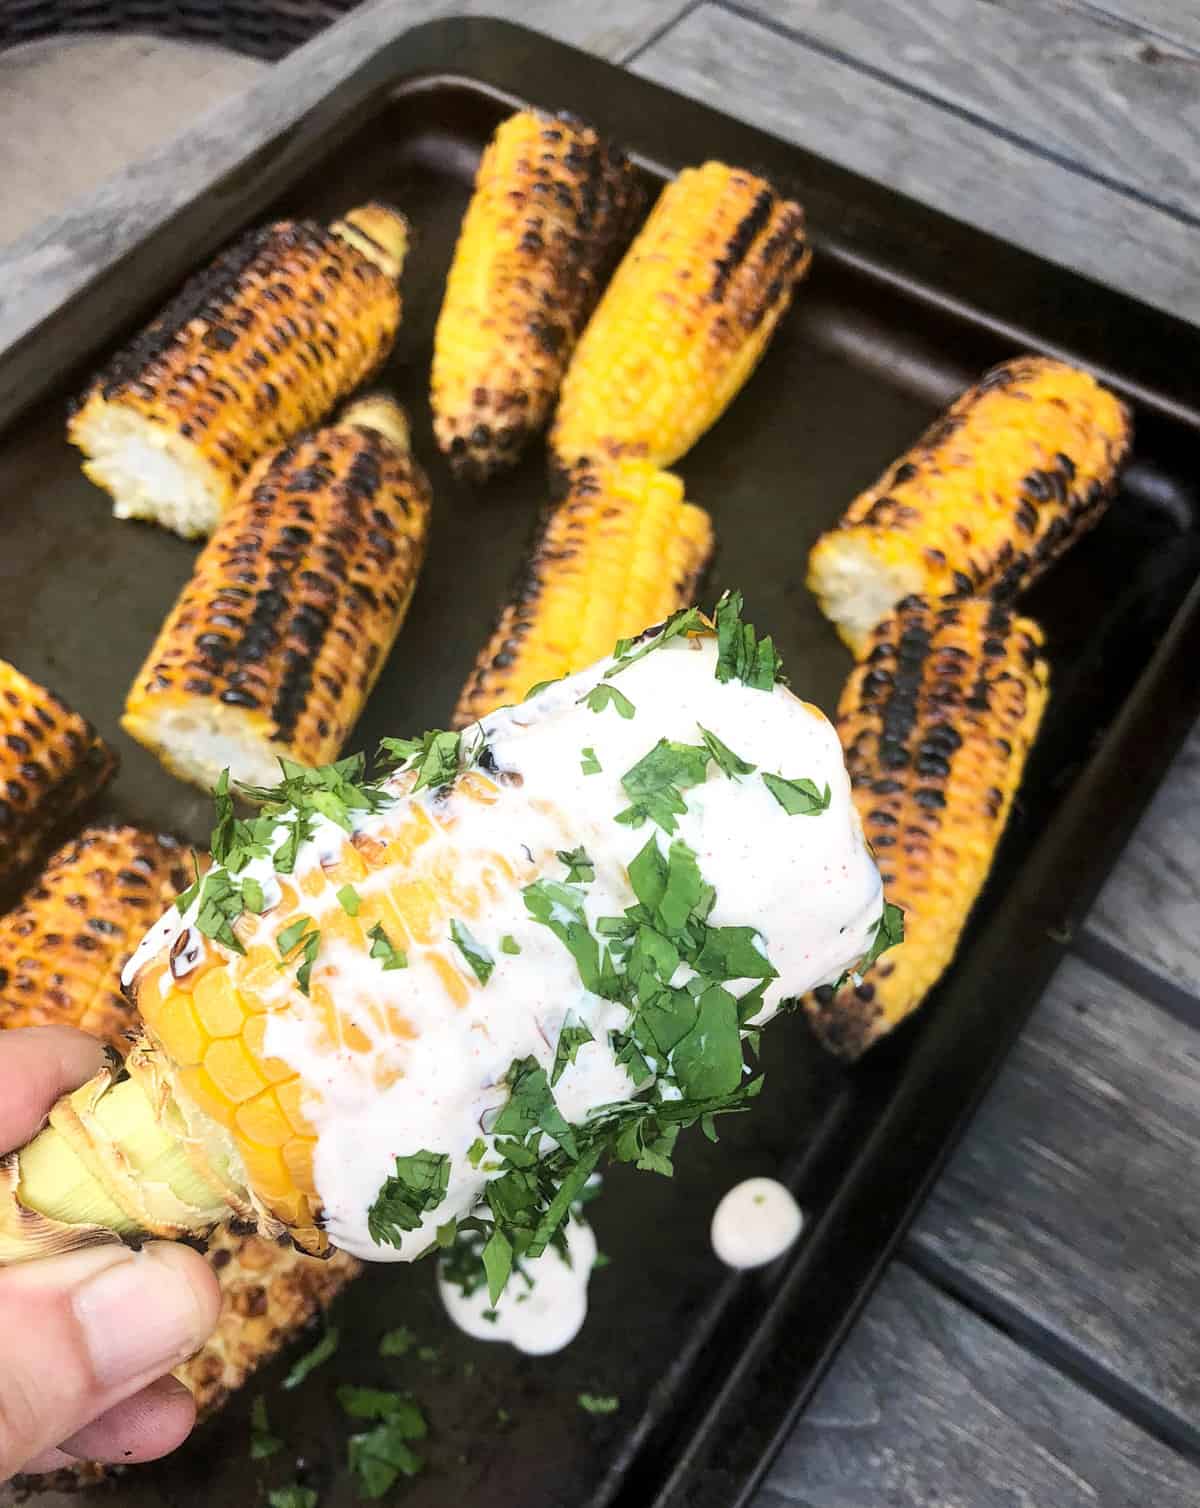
622, 550
1017, 469
255, 348
52, 762
936, 723
274, 644
552, 208
685, 319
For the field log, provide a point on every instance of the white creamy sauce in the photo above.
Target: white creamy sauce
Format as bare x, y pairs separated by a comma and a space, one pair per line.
807, 883
755, 1223
544, 1305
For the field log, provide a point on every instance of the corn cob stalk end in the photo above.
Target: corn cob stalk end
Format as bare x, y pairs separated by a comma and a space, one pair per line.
379, 232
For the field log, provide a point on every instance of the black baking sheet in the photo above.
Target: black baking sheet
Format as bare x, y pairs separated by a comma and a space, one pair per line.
903, 308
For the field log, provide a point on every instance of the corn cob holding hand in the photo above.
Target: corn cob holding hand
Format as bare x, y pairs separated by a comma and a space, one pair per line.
394, 1005
61, 955
937, 722
553, 206
621, 550
52, 762
294, 604
254, 349
683, 323
1019, 468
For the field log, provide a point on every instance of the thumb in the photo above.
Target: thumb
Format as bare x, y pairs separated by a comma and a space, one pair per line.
84, 1331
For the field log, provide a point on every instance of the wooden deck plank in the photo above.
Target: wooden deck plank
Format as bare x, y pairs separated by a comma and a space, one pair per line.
1061, 78
962, 168
927, 1406
1074, 1201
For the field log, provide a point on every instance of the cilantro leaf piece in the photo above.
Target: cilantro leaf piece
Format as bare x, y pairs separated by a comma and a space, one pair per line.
435, 757
541, 686
510, 945
383, 1403
688, 620
570, 1040
481, 961
588, 762
799, 798
653, 784
531, 1104
220, 905
292, 1496
252, 896
185, 898
648, 874
708, 1061
311, 1360
599, 1403
685, 889
560, 907
603, 695
300, 939
289, 939
741, 655
417, 1186
889, 931
349, 900
497, 1262
733, 953
380, 1456
667, 1018
580, 869
263, 1444
397, 1342
381, 948
728, 762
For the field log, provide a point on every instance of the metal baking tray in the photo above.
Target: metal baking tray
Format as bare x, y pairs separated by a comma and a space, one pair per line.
902, 309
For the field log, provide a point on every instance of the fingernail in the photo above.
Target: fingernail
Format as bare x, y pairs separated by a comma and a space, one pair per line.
140, 1314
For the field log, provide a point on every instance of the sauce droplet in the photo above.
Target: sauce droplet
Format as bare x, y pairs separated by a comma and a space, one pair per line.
755, 1223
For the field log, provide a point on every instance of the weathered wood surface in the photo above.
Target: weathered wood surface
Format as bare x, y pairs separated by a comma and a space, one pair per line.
1150, 908
1173, 21
1061, 79
928, 1406
1073, 1204
874, 126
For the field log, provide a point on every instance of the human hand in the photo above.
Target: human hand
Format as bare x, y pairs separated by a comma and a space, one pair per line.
86, 1339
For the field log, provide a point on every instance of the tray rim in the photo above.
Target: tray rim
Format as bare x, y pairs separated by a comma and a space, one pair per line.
670, 1467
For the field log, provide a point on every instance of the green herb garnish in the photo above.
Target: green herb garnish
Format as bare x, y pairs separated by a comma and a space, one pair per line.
311, 1360
292, 1496
481, 961
580, 869
654, 783
603, 695
688, 620
435, 757
397, 1342
349, 900
589, 764
417, 1186
510, 945
570, 1040
799, 798
728, 762
741, 655
378, 1457
300, 939
382, 950
263, 1444
599, 1403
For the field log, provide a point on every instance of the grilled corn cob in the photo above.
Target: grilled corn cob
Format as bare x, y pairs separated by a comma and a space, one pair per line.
622, 549
397, 994
52, 762
1002, 484
553, 206
936, 723
275, 643
61, 955
255, 348
685, 319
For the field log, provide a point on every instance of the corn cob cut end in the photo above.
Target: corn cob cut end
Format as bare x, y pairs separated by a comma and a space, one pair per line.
151, 471
937, 722
378, 412
379, 232
197, 739
855, 588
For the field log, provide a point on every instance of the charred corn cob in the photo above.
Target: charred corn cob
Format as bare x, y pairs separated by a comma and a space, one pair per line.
1002, 484
685, 319
275, 643
61, 955
255, 348
623, 549
351, 1025
936, 723
553, 206
52, 762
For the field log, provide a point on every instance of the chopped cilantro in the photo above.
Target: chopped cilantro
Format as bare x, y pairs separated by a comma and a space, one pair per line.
653, 784
417, 1186
510, 945
530, 1106
381, 1403
497, 1262
300, 940
708, 1061
292, 1496
349, 900
481, 961
252, 896
396, 1342
603, 695
728, 762
799, 798
541, 686
381, 1455
263, 1444
589, 764
741, 655
427, 1353
580, 869
311, 1360
476, 1151
570, 1040
889, 931
688, 620
599, 1403
732, 953
435, 757
381, 948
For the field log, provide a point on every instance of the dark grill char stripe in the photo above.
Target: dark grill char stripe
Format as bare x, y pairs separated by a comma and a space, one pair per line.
739, 244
